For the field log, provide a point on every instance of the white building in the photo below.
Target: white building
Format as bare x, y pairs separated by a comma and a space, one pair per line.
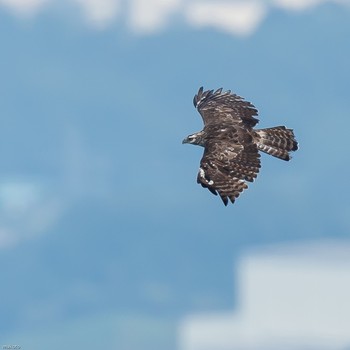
290, 297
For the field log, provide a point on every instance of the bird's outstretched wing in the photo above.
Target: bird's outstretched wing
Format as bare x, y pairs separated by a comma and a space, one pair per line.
224, 107
225, 168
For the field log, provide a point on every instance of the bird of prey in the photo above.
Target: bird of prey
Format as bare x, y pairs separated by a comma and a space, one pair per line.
231, 144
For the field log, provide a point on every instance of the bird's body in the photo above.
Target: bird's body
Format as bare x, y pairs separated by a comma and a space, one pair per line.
231, 145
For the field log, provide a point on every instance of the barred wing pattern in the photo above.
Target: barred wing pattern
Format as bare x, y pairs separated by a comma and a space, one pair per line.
217, 107
226, 168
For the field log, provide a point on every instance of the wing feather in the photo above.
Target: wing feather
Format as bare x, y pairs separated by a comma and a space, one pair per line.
225, 168
224, 107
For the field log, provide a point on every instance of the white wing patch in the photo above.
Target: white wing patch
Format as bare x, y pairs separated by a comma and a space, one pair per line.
202, 175
199, 101
238, 180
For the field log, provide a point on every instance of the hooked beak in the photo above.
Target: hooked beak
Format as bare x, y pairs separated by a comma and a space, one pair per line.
185, 140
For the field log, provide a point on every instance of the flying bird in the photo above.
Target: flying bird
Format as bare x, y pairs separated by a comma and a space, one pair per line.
231, 144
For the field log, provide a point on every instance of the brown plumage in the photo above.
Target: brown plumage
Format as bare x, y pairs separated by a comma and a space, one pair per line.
231, 145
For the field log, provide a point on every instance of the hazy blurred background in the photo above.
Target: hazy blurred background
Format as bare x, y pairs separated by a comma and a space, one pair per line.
106, 240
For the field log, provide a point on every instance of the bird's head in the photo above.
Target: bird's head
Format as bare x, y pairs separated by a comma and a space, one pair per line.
195, 139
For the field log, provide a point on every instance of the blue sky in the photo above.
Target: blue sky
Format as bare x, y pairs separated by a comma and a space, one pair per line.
100, 214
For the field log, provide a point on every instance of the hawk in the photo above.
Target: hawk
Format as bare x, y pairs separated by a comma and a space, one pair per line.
231, 144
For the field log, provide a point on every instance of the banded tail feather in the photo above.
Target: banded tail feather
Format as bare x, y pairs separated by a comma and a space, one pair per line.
277, 141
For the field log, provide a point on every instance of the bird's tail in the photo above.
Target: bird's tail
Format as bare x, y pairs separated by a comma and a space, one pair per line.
277, 141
